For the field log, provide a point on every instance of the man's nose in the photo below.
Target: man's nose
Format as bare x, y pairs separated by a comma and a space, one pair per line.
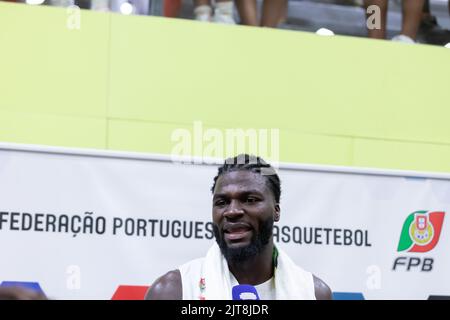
234, 210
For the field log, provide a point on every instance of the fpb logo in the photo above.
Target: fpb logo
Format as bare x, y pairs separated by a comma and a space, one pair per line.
420, 233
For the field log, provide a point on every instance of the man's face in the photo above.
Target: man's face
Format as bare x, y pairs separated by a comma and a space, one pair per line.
244, 210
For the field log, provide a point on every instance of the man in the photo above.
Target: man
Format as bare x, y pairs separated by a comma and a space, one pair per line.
273, 12
222, 13
430, 31
245, 205
412, 12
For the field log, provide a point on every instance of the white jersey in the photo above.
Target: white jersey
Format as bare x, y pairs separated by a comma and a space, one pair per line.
209, 278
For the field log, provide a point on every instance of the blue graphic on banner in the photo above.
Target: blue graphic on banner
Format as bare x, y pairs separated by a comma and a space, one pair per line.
35, 286
348, 296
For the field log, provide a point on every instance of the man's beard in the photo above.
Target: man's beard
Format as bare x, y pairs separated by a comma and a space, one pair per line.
259, 240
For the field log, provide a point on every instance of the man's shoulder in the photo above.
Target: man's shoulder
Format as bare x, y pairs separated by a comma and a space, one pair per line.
322, 290
166, 287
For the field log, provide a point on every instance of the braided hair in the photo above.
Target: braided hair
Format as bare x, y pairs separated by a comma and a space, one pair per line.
245, 162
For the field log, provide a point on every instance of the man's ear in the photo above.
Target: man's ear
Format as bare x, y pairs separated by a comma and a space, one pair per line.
276, 216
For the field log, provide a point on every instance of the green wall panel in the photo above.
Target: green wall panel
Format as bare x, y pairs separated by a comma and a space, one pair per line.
127, 82
48, 129
47, 67
403, 155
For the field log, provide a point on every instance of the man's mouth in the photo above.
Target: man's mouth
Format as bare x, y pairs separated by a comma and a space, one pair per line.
238, 231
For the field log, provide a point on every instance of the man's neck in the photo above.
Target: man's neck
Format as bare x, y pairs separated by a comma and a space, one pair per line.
255, 270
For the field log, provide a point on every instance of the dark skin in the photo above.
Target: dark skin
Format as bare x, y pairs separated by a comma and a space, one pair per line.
241, 202
19, 293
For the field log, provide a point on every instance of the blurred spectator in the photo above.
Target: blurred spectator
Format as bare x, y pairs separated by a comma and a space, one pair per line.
19, 293
430, 31
412, 14
122, 6
172, 8
273, 12
136, 6
62, 3
100, 5
222, 13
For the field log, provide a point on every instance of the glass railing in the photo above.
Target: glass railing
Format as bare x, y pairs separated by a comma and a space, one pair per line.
418, 21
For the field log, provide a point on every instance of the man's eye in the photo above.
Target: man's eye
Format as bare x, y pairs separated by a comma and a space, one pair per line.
219, 203
251, 200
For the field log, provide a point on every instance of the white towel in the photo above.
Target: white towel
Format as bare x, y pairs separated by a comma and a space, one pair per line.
209, 278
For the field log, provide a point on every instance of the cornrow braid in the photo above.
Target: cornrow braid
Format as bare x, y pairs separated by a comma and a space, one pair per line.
245, 162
